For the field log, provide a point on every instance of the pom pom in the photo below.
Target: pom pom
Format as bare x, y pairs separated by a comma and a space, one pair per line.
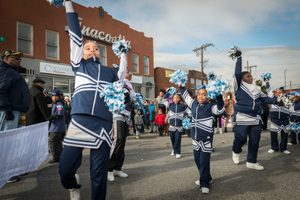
216, 87
116, 66
295, 127
286, 99
297, 94
171, 91
57, 3
114, 97
266, 75
211, 75
117, 47
186, 123
138, 101
179, 78
232, 52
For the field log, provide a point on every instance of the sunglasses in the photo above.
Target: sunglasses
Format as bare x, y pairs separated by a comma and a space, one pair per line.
16, 57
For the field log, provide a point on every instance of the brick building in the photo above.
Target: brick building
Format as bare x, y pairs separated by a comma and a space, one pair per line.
40, 32
162, 78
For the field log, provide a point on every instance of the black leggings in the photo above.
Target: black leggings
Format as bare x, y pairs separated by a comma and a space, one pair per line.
218, 118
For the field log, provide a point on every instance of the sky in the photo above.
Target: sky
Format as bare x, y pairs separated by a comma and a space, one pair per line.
267, 32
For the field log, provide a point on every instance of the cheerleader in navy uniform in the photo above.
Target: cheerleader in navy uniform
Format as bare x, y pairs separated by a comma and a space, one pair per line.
280, 122
91, 121
176, 110
295, 116
247, 120
202, 131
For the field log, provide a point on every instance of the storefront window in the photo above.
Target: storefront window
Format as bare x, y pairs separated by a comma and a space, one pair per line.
137, 89
148, 93
72, 87
61, 84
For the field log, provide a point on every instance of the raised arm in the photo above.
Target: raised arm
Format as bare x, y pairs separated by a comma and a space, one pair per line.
123, 67
76, 45
219, 108
186, 97
269, 90
238, 74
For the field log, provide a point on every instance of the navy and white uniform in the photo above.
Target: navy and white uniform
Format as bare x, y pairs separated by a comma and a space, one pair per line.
247, 119
295, 117
280, 123
176, 116
202, 132
91, 121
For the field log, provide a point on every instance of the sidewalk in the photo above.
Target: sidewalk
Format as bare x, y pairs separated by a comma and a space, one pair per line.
155, 174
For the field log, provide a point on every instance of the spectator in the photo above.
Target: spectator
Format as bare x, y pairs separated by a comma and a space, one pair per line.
160, 121
139, 123
14, 93
146, 114
38, 111
229, 109
48, 100
68, 112
159, 100
152, 115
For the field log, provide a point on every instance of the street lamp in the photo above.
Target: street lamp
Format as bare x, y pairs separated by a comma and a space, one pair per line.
285, 79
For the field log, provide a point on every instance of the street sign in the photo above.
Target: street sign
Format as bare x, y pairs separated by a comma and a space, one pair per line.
2, 39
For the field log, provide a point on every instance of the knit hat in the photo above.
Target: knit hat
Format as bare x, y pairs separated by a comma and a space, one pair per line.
55, 92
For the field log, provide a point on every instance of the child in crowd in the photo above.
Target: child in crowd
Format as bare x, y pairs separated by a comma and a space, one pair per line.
57, 128
176, 110
247, 120
280, 122
160, 121
202, 131
295, 116
139, 123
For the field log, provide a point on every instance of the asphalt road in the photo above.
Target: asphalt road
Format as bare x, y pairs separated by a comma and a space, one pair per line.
155, 174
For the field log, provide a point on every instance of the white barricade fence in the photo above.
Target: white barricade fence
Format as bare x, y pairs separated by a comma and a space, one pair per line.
22, 150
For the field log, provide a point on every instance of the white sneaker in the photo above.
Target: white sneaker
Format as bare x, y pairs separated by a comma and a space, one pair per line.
271, 151
255, 166
75, 193
172, 154
120, 174
215, 130
290, 144
178, 156
205, 190
220, 131
110, 176
287, 152
198, 182
236, 158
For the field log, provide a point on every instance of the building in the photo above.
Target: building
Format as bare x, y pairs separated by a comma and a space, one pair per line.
40, 32
162, 79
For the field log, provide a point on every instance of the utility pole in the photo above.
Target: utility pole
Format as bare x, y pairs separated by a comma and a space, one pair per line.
249, 67
201, 53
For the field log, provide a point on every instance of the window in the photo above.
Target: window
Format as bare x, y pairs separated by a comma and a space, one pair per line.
148, 91
192, 83
52, 45
137, 89
103, 54
146, 65
61, 84
135, 63
24, 33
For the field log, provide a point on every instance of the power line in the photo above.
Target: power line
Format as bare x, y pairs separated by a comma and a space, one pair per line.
218, 59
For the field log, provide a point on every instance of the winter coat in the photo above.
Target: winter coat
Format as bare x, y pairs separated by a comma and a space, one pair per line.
160, 119
138, 119
14, 92
38, 111
58, 125
229, 106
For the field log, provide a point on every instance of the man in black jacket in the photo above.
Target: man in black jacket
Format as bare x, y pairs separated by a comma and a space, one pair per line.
38, 111
14, 93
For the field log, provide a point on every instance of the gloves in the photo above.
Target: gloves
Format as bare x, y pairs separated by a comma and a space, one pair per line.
55, 117
219, 96
122, 49
266, 80
167, 90
279, 103
9, 116
211, 77
238, 54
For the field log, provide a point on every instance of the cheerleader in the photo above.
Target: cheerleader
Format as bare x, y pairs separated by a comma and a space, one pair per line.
247, 120
202, 131
280, 122
295, 116
91, 121
176, 110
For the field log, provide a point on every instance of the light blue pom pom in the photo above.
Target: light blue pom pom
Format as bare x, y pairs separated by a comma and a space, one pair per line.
211, 75
138, 101
116, 66
116, 47
295, 127
57, 3
114, 97
172, 91
179, 78
216, 87
186, 123
266, 75
232, 51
